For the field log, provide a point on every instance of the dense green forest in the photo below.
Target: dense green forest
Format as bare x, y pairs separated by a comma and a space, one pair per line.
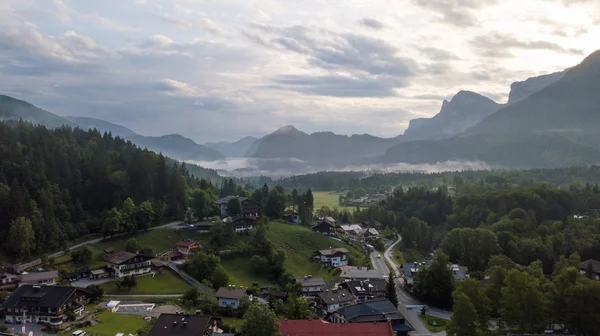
62, 184
373, 182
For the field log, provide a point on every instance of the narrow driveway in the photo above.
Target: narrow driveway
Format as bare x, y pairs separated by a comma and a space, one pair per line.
97, 240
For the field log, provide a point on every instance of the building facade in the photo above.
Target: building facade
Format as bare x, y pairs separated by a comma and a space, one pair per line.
333, 257
123, 264
44, 304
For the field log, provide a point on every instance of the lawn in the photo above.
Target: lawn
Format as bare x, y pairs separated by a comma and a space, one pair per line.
158, 240
111, 324
440, 323
233, 322
165, 283
240, 273
329, 199
299, 243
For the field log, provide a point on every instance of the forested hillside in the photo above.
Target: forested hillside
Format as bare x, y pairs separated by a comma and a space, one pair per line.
61, 184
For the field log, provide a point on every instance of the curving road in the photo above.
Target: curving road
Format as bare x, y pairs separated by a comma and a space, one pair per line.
404, 299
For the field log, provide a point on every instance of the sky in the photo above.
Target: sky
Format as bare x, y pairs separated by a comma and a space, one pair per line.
219, 70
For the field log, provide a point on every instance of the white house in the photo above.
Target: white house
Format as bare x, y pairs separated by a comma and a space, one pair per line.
333, 257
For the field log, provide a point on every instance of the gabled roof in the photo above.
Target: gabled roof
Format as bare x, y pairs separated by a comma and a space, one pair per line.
371, 311
180, 325
311, 282
329, 220
338, 296
226, 199
372, 231
595, 265
122, 257
321, 328
39, 276
361, 273
351, 227
39, 296
333, 251
186, 243
359, 287
231, 293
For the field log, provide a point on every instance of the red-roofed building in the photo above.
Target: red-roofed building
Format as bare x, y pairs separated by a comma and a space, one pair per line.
187, 247
321, 328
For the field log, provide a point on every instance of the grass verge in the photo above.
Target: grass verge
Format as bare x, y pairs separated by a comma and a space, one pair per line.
165, 283
111, 323
434, 324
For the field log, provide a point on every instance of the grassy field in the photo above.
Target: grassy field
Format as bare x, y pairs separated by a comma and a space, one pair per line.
111, 324
165, 283
440, 323
240, 273
329, 199
299, 243
158, 240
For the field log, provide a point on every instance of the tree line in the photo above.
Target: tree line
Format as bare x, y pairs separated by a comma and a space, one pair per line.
62, 184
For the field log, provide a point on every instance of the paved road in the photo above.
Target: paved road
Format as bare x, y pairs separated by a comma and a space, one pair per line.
378, 263
97, 240
144, 295
406, 300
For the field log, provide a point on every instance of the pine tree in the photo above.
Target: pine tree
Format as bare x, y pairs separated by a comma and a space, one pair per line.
390, 290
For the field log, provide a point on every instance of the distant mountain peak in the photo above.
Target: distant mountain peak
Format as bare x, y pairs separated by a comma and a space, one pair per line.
288, 130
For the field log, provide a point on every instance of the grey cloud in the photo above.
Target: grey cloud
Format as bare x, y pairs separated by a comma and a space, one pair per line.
174, 21
372, 23
496, 45
340, 86
454, 12
366, 60
429, 96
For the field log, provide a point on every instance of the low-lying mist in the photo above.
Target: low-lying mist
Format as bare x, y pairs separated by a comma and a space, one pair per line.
285, 167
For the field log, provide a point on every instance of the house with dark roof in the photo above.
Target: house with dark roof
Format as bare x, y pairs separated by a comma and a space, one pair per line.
39, 278
380, 310
250, 208
292, 217
332, 257
81, 272
184, 325
230, 296
330, 301
322, 328
240, 224
125, 263
325, 226
44, 304
8, 280
593, 266
371, 233
311, 285
365, 290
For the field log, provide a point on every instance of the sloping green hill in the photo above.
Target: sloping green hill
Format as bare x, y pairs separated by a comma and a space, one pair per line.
15, 109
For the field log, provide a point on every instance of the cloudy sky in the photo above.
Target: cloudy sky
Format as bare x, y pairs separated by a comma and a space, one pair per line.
223, 69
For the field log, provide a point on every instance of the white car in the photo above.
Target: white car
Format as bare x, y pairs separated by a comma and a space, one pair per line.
379, 256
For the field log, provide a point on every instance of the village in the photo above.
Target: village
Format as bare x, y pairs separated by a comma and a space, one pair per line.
50, 301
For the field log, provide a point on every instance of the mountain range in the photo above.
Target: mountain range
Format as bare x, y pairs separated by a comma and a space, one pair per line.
549, 120
174, 146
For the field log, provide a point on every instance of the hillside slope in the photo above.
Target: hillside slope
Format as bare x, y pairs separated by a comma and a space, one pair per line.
15, 109
102, 126
233, 149
177, 147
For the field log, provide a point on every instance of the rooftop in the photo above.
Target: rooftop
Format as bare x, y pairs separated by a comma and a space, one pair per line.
359, 287
121, 257
231, 293
321, 328
371, 311
351, 227
186, 243
333, 251
226, 199
311, 282
39, 296
39, 276
595, 265
339, 296
361, 273
180, 325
